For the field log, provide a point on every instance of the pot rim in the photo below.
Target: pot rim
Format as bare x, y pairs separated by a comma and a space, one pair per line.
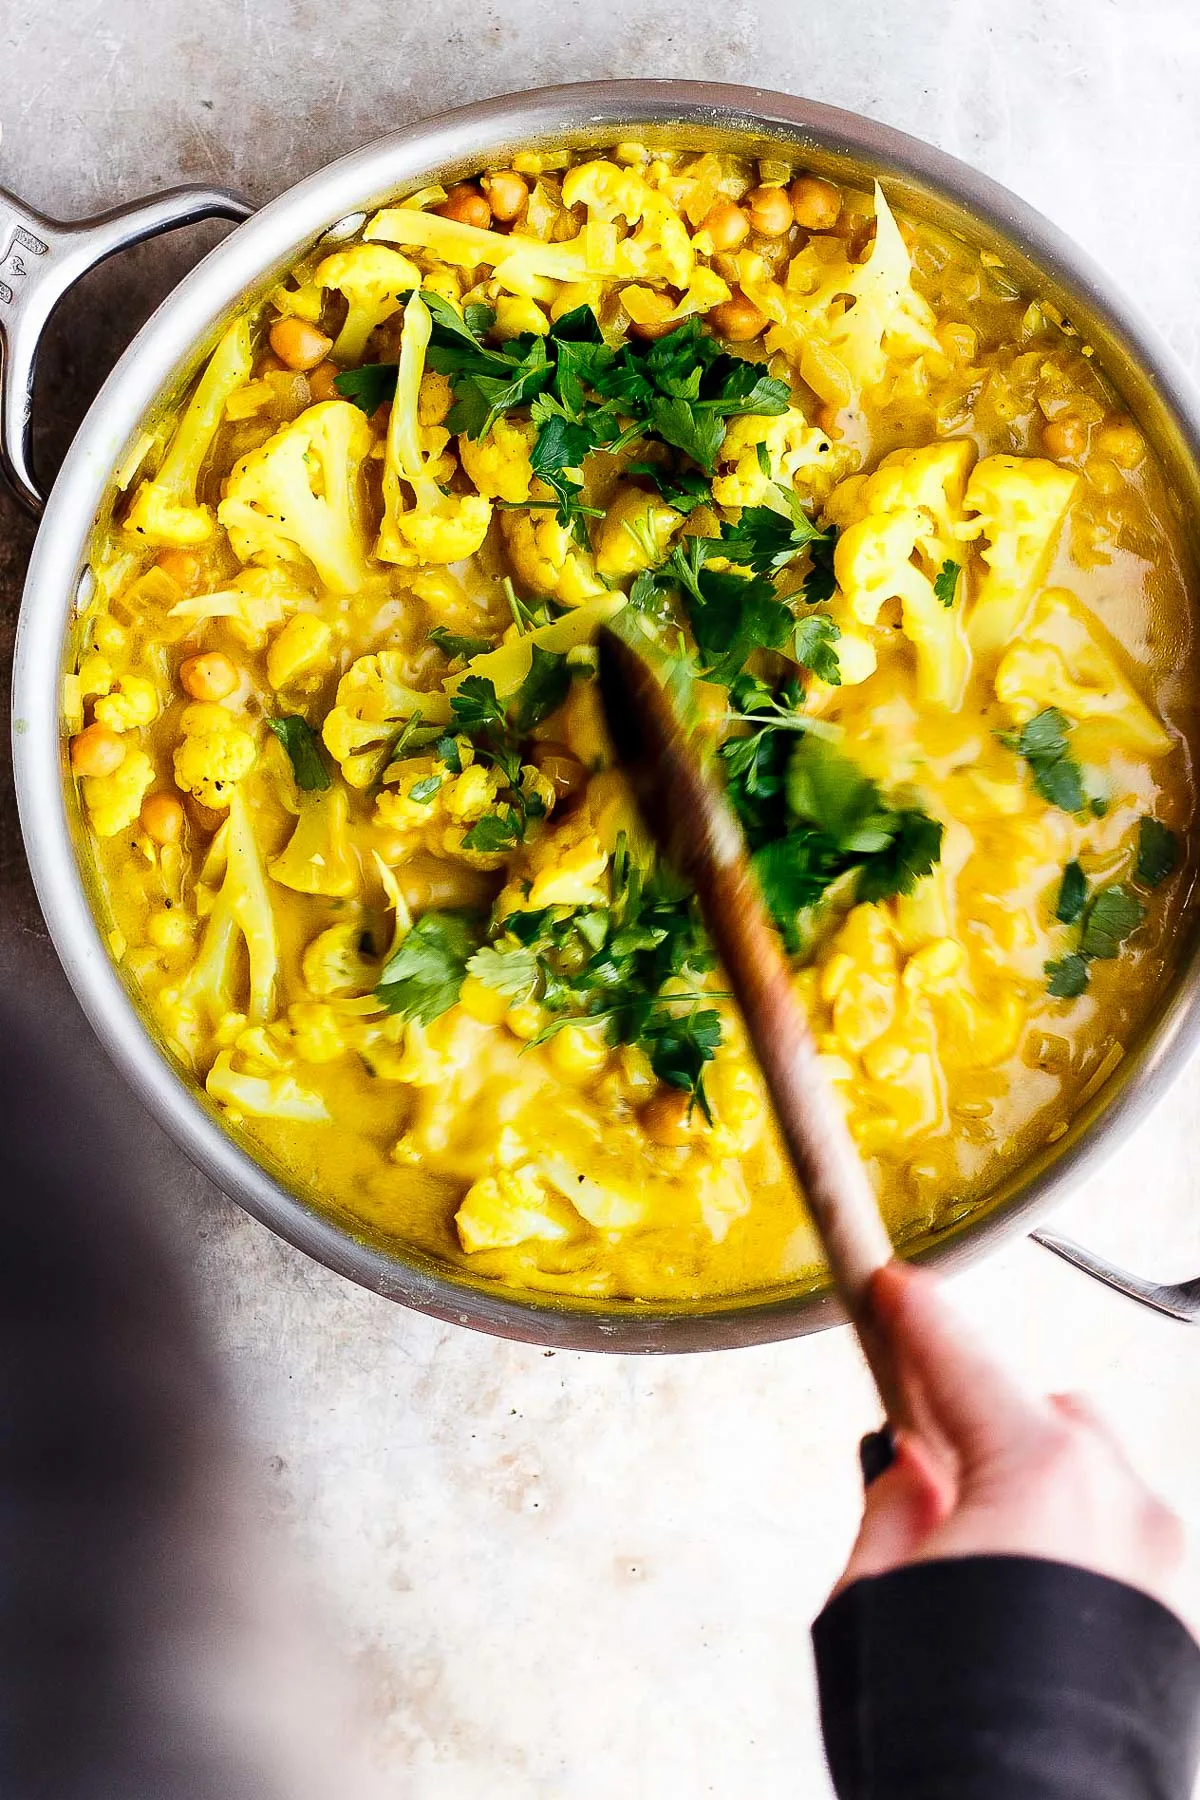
168, 342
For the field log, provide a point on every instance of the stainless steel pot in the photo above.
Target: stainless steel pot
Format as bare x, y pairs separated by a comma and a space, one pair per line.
42, 258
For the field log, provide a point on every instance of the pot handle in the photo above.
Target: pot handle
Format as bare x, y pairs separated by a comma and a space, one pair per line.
1179, 1300
39, 260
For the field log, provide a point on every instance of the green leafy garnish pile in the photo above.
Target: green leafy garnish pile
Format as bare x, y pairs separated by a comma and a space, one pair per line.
585, 394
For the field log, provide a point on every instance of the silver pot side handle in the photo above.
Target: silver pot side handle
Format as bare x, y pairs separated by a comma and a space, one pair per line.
1180, 1300
39, 260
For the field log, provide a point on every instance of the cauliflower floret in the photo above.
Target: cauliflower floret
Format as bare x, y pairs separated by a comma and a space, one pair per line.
256, 1096
522, 265
240, 911
705, 289
133, 703
499, 463
374, 281
798, 456
547, 560
319, 1034
214, 753
374, 703
900, 529
854, 319
656, 245
256, 602
511, 1207
970, 1034
567, 866
1061, 661
165, 509
114, 801
1020, 503
334, 964
302, 652
861, 980
437, 527
318, 858
446, 806
636, 532
299, 496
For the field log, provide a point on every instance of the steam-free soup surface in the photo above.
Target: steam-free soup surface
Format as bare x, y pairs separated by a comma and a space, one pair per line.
909, 567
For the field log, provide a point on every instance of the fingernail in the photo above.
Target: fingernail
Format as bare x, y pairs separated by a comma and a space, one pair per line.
876, 1452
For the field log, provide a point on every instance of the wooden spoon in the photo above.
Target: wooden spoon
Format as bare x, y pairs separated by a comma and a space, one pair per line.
694, 826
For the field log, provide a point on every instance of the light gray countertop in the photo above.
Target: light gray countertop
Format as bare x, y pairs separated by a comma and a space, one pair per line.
559, 1577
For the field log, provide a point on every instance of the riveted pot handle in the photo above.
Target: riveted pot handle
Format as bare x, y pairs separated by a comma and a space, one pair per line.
39, 260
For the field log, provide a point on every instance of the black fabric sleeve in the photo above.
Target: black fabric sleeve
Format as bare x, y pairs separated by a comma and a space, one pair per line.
1006, 1678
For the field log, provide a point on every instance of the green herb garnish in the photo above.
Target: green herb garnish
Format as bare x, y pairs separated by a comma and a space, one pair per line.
424, 977
303, 750
1071, 894
945, 584
1057, 777
1157, 852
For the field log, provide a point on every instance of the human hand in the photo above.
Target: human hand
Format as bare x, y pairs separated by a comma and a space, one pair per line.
987, 1469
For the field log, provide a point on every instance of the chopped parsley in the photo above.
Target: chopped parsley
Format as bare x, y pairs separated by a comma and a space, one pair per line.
304, 751
945, 584
1043, 743
452, 645
1072, 894
424, 977
1157, 852
1067, 978
1109, 920
814, 643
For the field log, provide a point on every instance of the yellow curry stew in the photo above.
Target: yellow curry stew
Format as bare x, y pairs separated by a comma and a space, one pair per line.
365, 854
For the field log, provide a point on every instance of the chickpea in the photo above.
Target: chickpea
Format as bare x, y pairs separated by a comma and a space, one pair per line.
299, 345
506, 193
1064, 436
556, 762
97, 751
662, 305
466, 206
209, 676
162, 818
1123, 442
770, 211
737, 319
727, 225
320, 382
665, 1119
183, 566
816, 204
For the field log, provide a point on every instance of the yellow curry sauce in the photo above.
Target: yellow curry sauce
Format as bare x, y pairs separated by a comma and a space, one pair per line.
335, 726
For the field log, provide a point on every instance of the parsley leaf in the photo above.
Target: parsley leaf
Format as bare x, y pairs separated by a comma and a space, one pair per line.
731, 615
945, 584
508, 967
496, 831
369, 386
452, 645
1112, 916
543, 689
766, 540
424, 977
815, 638
684, 489
1157, 852
1057, 777
679, 1047
304, 752
426, 788
1068, 977
821, 583
912, 853
1072, 894
474, 705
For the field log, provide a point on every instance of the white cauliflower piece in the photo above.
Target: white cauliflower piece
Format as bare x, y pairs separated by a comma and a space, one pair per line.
214, 753
114, 801
437, 527
798, 456
318, 858
900, 529
1020, 503
299, 496
373, 704
374, 281
166, 509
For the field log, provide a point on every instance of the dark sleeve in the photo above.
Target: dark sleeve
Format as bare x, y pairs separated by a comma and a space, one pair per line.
1006, 1678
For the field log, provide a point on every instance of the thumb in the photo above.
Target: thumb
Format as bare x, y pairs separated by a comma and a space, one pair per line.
903, 1506
957, 1392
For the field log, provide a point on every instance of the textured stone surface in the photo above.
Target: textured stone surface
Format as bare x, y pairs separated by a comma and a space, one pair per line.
563, 1578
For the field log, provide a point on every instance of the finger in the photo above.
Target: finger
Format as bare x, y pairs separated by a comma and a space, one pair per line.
903, 1506
953, 1382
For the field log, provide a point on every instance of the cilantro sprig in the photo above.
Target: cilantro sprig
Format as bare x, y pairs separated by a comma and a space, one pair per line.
1043, 743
